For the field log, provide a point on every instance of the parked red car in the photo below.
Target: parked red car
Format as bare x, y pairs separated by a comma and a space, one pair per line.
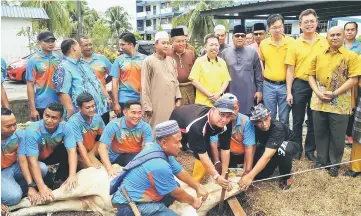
16, 70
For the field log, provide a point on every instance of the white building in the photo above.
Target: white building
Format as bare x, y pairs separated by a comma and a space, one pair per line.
13, 20
153, 14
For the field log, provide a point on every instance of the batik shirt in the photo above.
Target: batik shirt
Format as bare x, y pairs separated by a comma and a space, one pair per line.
331, 70
128, 70
122, 139
101, 66
74, 77
242, 135
40, 69
86, 132
42, 144
11, 148
151, 181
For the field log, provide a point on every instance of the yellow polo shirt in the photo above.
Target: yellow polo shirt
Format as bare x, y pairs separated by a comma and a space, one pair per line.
211, 74
274, 58
332, 70
301, 53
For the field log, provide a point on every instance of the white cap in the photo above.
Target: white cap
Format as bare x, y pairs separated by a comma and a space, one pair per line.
161, 35
219, 27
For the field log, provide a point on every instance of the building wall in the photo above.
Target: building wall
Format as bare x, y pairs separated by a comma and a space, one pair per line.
12, 46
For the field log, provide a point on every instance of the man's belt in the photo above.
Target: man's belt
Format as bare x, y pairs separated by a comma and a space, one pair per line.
275, 82
185, 84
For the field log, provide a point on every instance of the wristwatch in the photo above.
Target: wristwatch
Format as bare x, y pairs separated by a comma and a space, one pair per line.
33, 185
215, 176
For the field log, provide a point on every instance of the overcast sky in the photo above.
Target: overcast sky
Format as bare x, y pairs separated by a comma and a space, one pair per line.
103, 5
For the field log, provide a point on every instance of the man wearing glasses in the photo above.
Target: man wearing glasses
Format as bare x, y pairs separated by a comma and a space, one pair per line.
299, 92
273, 54
39, 73
245, 69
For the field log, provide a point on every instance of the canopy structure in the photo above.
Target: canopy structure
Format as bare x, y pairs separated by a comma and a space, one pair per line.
326, 10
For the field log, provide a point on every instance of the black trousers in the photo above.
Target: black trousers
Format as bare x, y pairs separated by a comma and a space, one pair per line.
41, 112
106, 118
281, 159
302, 94
59, 155
235, 160
124, 158
350, 125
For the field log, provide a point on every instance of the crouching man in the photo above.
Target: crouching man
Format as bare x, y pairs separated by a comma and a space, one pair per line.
275, 148
51, 141
87, 128
152, 185
16, 180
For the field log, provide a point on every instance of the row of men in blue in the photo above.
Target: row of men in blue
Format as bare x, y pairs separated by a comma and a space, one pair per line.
84, 140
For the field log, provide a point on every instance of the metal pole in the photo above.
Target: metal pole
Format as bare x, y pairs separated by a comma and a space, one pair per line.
80, 30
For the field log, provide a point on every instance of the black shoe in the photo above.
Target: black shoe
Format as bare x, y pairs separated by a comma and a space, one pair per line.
333, 171
297, 156
351, 173
285, 184
310, 156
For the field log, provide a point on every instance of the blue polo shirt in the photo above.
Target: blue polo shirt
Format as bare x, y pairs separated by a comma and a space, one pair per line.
243, 133
356, 47
151, 181
100, 65
122, 139
12, 147
127, 69
40, 143
40, 69
86, 132
74, 77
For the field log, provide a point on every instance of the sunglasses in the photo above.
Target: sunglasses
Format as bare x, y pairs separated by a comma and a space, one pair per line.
239, 35
49, 40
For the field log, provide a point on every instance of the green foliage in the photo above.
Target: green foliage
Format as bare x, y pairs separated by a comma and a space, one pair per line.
58, 13
109, 53
359, 38
138, 36
159, 27
118, 20
100, 34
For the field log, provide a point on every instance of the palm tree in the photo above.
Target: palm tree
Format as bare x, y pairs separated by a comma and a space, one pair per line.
198, 26
59, 20
118, 20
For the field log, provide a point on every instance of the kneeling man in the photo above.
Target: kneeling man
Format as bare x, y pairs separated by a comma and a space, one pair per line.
123, 138
275, 147
87, 128
152, 185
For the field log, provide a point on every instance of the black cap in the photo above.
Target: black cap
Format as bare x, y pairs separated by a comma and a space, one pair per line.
42, 36
239, 29
259, 26
176, 32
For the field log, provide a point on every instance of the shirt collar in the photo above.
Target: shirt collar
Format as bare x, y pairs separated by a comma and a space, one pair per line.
209, 60
44, 131
39, 52
238, 120
340, 50
93, 58
354, 45
124, 125
80, 117
318, 37
12, 137
72, 60
285, 40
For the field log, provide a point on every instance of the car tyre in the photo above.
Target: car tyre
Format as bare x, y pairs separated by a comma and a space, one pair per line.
23, 79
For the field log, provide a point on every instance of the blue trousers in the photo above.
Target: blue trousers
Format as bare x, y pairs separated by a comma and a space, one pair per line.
274, 96
13, 184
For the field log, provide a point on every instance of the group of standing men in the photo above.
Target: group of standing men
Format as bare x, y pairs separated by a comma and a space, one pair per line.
173, 84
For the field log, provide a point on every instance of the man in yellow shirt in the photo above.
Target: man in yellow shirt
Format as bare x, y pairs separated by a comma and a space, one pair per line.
332, 74
273, 54
209, 74
299, 92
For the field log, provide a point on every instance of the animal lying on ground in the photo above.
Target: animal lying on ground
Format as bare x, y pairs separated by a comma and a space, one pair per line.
92, 194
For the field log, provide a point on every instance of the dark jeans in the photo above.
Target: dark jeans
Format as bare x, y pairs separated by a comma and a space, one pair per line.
235, 160
302, 94
59, 155
124, 158
330, 130
106, 118
41, 112
281, 159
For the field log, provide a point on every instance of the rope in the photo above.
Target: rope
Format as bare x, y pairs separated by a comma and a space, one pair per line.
304, 171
